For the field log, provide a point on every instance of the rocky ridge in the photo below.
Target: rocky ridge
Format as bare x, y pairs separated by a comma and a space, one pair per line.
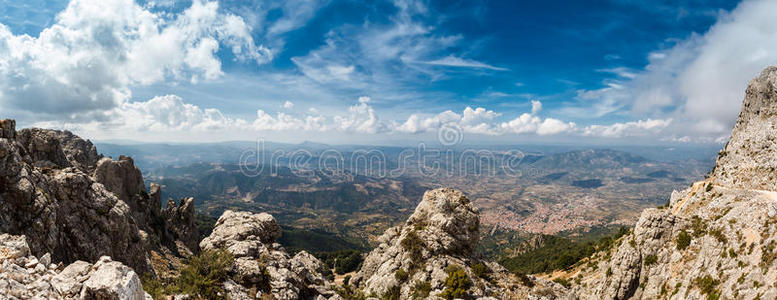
71, 204
715, 239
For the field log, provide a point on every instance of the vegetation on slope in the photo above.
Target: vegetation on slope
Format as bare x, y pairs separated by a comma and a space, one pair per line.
558, 253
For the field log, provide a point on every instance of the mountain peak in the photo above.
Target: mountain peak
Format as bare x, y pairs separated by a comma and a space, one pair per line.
748, 160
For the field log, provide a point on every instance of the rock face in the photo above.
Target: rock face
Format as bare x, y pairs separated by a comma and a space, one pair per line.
73, 203
715, 239
60, 208
748, 161
180, 219
437, 240
263, 265
24, 276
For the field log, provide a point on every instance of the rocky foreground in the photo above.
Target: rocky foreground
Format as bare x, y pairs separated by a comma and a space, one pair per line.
76, 225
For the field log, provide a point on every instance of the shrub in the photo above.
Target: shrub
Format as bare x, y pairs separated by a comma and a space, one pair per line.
481, 270
651, 259
401, 275
392, 294
683, 240
609, 272
769, 255
708, 285
698, 226
456, 284
415, 245
421, 290
204, 273
563, 282
201, 277
717, 233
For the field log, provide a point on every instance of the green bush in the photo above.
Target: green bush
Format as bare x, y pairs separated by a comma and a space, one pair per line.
651, 259
708, 285
201, 277
413, 244
421, 290
392, 294
204, 274
456, 284
481, 270
683, 240
563, 282
401, 275
769, 255
717, 233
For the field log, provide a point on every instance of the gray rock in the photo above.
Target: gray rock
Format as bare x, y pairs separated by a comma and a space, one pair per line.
112, 280
441, 234
261, 264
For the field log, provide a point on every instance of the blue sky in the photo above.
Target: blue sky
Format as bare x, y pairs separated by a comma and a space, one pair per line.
381, 71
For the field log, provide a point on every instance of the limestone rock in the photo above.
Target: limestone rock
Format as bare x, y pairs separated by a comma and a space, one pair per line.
262, 265
180, 219
26, 277
437, 239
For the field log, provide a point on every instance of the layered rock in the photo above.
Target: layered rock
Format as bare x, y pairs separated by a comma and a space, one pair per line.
261, 264
417, 258
24, 276
73, 203
60, 208
715, 239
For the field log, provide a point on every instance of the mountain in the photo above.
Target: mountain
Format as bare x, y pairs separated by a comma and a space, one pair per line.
715, 239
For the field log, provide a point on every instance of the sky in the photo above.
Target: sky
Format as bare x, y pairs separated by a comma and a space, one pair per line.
384, 72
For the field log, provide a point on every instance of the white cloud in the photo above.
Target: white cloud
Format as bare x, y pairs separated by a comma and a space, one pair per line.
528, 123
536, 107
453, 61
88, 60
636, 128
362, 119
700, 81
288, 105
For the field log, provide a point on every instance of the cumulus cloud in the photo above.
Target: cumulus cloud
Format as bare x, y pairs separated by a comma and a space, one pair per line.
636, 128
362, 119
288, 105
89, 59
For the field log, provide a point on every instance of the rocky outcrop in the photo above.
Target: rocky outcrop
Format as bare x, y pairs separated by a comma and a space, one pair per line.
716, 239
421, 257
262, 265
748, 161
73, 203
24, 276
180, 220
58, 149
59, 208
